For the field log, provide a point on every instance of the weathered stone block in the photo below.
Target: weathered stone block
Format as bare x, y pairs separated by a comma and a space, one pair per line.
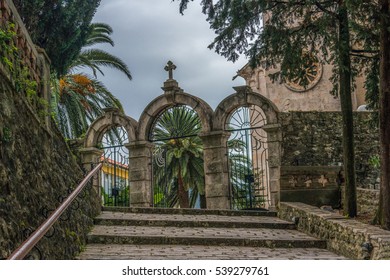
344, 236
217, 190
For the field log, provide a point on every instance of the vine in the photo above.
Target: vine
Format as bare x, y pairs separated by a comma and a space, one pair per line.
7, 45
20, 75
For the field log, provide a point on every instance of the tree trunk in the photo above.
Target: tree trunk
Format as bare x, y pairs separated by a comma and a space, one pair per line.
384, 115
203, 204
184, 200
350, 207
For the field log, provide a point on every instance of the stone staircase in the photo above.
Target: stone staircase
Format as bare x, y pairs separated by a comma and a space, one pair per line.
147, 233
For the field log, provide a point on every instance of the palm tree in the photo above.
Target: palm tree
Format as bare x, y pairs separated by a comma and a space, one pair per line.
94, 59
175, 134
79, 98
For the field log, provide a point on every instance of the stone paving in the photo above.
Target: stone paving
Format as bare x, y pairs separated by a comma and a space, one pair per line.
196, 252
120, 235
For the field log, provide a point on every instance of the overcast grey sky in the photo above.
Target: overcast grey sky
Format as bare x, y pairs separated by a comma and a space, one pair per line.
148, 33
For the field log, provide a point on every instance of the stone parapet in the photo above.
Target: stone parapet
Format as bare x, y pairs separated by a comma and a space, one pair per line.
345, 236
29, 53
27, 56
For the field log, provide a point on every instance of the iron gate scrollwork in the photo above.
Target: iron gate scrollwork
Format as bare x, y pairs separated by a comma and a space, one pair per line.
115, 187
178, 175
248, 159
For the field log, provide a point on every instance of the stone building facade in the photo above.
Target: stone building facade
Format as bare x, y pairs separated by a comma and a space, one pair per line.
290, 96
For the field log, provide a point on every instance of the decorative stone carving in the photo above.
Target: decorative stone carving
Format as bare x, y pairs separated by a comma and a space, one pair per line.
323, 181
293, 181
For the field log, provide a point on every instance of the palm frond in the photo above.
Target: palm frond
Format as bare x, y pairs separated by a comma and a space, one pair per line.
99, 58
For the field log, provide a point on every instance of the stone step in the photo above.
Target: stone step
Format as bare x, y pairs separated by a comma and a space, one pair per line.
150, 210
189, 220
149, 233
253, 237
199, 252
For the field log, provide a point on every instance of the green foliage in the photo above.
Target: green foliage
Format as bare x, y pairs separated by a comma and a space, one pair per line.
78, 99
374, 161
291, 29
175, 134
21, 77
295, 28
122, 199
58, 26
25, 84
7, 45
7, 135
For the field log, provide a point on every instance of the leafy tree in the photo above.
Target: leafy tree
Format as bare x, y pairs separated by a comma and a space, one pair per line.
58, 26
291, 29
79, 98
371, 20
176, 134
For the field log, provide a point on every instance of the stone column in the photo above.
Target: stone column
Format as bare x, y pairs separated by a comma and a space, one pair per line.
216, 169
140, 173
90, 157
274, 141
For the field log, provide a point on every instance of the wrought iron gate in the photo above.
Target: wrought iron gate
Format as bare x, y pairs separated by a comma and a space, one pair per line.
175, 135
248, 159
115, 171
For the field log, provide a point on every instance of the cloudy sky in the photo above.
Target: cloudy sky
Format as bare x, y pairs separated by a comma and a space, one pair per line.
148, 33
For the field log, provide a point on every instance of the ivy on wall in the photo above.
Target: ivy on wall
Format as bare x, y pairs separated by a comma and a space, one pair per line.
10, 59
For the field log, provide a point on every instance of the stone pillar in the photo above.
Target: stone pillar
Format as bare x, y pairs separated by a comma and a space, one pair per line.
90, 157
274, 141
216, 169
140, 173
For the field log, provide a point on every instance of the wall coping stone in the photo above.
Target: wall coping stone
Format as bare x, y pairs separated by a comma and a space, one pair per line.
344, 236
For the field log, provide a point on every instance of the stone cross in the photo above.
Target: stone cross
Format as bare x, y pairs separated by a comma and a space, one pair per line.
169, 68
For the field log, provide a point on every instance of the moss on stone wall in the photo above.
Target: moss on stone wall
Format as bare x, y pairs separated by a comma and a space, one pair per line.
37, 171
315, 139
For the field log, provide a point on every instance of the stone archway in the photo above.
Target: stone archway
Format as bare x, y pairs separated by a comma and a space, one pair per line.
115, 156
244, 97
214, 136
112, 118
172, 97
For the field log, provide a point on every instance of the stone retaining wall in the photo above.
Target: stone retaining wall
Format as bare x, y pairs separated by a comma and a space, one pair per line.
26, 57
367, 201
37, 171
315, 139
344, 236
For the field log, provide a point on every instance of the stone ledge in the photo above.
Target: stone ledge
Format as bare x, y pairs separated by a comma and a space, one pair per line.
344, 236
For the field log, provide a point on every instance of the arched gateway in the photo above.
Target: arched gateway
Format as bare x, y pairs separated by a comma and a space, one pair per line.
250, 182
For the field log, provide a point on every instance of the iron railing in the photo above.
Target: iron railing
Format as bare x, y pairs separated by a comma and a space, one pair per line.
37, 235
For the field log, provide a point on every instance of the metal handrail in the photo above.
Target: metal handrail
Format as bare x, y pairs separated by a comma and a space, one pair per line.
37, 235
